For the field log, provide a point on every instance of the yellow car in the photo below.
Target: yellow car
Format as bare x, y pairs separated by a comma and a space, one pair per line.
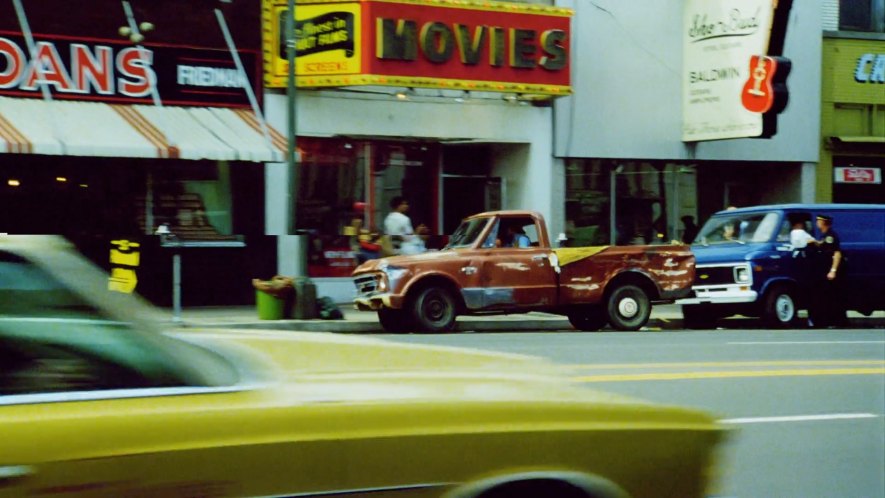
95, 403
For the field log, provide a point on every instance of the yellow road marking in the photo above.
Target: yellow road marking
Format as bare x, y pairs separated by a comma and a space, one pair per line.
778, 363
797, 372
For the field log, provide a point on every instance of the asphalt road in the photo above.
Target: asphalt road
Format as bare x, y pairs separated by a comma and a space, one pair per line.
809, 405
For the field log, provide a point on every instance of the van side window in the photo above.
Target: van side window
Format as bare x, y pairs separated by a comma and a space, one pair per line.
791, 219
783, 235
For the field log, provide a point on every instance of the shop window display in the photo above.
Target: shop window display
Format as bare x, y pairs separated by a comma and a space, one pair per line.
344, 194
85, 197
644, 198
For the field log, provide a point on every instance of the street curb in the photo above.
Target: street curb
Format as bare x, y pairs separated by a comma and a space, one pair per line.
470, 324
351, 327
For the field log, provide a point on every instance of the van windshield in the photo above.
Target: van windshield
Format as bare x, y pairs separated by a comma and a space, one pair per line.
738, 228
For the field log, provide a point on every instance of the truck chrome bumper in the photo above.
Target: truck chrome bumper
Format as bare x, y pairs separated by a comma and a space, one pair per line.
726, 296
377, 302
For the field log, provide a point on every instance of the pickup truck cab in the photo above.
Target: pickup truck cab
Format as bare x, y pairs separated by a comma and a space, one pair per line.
481, 272
746, 265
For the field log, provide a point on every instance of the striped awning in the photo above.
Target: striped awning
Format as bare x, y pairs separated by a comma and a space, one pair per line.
32, 126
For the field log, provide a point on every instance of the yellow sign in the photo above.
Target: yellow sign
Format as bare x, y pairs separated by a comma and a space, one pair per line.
327, 40
122, 280
124, 253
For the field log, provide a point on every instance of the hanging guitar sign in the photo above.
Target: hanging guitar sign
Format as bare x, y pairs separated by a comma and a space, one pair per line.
735, 76
765, 91
767, 75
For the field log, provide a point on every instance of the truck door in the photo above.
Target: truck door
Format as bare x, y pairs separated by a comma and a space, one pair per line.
515, 272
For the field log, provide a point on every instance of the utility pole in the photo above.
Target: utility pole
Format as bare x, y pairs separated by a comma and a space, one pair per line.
291, 159
613, 204
305, 290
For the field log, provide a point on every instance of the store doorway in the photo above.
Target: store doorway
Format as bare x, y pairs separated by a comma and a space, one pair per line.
465, 195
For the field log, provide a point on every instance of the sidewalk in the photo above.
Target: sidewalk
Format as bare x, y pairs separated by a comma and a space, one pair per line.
663, 317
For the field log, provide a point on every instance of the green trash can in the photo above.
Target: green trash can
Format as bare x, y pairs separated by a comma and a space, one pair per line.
269, 307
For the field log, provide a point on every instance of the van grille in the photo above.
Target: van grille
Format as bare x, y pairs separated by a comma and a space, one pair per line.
714, 275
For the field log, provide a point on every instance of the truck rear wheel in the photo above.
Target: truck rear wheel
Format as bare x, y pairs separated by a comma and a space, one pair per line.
588, 318
434, 310
628, 308
394, 321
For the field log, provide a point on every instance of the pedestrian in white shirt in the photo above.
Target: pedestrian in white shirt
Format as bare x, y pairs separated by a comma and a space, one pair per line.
799, 238
398, 227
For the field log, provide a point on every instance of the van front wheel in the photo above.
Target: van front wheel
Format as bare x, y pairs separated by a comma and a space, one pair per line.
779, 309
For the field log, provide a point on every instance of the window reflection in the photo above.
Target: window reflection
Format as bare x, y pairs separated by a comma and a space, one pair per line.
345, 191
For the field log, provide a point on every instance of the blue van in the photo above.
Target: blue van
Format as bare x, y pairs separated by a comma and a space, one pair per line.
746, 265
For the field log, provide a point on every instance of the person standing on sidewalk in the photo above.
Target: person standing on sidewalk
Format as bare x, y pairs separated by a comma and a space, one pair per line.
826, 303
398, 229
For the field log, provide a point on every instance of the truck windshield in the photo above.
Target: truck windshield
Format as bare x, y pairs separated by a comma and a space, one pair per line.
738, 228
467, 233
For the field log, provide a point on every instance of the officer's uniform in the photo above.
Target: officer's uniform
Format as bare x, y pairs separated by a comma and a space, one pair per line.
827, 307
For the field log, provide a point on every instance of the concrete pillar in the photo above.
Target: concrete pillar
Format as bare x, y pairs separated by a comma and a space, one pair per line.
807, 182
289, 256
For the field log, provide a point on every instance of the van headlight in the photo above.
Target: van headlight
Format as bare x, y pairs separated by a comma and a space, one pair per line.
742, 274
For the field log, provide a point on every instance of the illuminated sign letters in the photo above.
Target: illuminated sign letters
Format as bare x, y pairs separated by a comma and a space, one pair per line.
870, 69
401, 39
469, 45
119, 72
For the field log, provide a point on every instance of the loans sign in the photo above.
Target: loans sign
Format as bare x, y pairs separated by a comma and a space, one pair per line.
113, 71
465, 45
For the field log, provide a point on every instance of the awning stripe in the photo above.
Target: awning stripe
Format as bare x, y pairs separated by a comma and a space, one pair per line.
278, 140
154, 138
143, 123
95, 129
15, 140
193, 139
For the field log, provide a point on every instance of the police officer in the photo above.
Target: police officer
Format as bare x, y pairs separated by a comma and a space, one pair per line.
827, 309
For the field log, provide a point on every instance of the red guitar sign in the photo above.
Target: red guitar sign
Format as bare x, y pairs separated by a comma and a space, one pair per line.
758, 92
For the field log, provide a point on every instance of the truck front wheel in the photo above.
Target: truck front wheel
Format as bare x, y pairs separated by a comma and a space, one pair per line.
628, 308
434, 310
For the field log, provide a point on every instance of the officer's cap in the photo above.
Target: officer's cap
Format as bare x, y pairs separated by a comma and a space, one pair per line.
828, 219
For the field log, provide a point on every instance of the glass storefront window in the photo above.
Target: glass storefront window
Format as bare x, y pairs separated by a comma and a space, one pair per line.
345, 191
332, 183
650, 200
194, 199
83, 196
406, 170
862, 15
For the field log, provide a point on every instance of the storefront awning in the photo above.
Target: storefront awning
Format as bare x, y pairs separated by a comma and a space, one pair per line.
860, 139
31, 126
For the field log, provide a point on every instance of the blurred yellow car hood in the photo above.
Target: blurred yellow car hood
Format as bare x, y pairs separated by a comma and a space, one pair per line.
330, 368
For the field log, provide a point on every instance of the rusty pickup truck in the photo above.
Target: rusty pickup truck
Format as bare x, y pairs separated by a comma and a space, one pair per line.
502, 262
